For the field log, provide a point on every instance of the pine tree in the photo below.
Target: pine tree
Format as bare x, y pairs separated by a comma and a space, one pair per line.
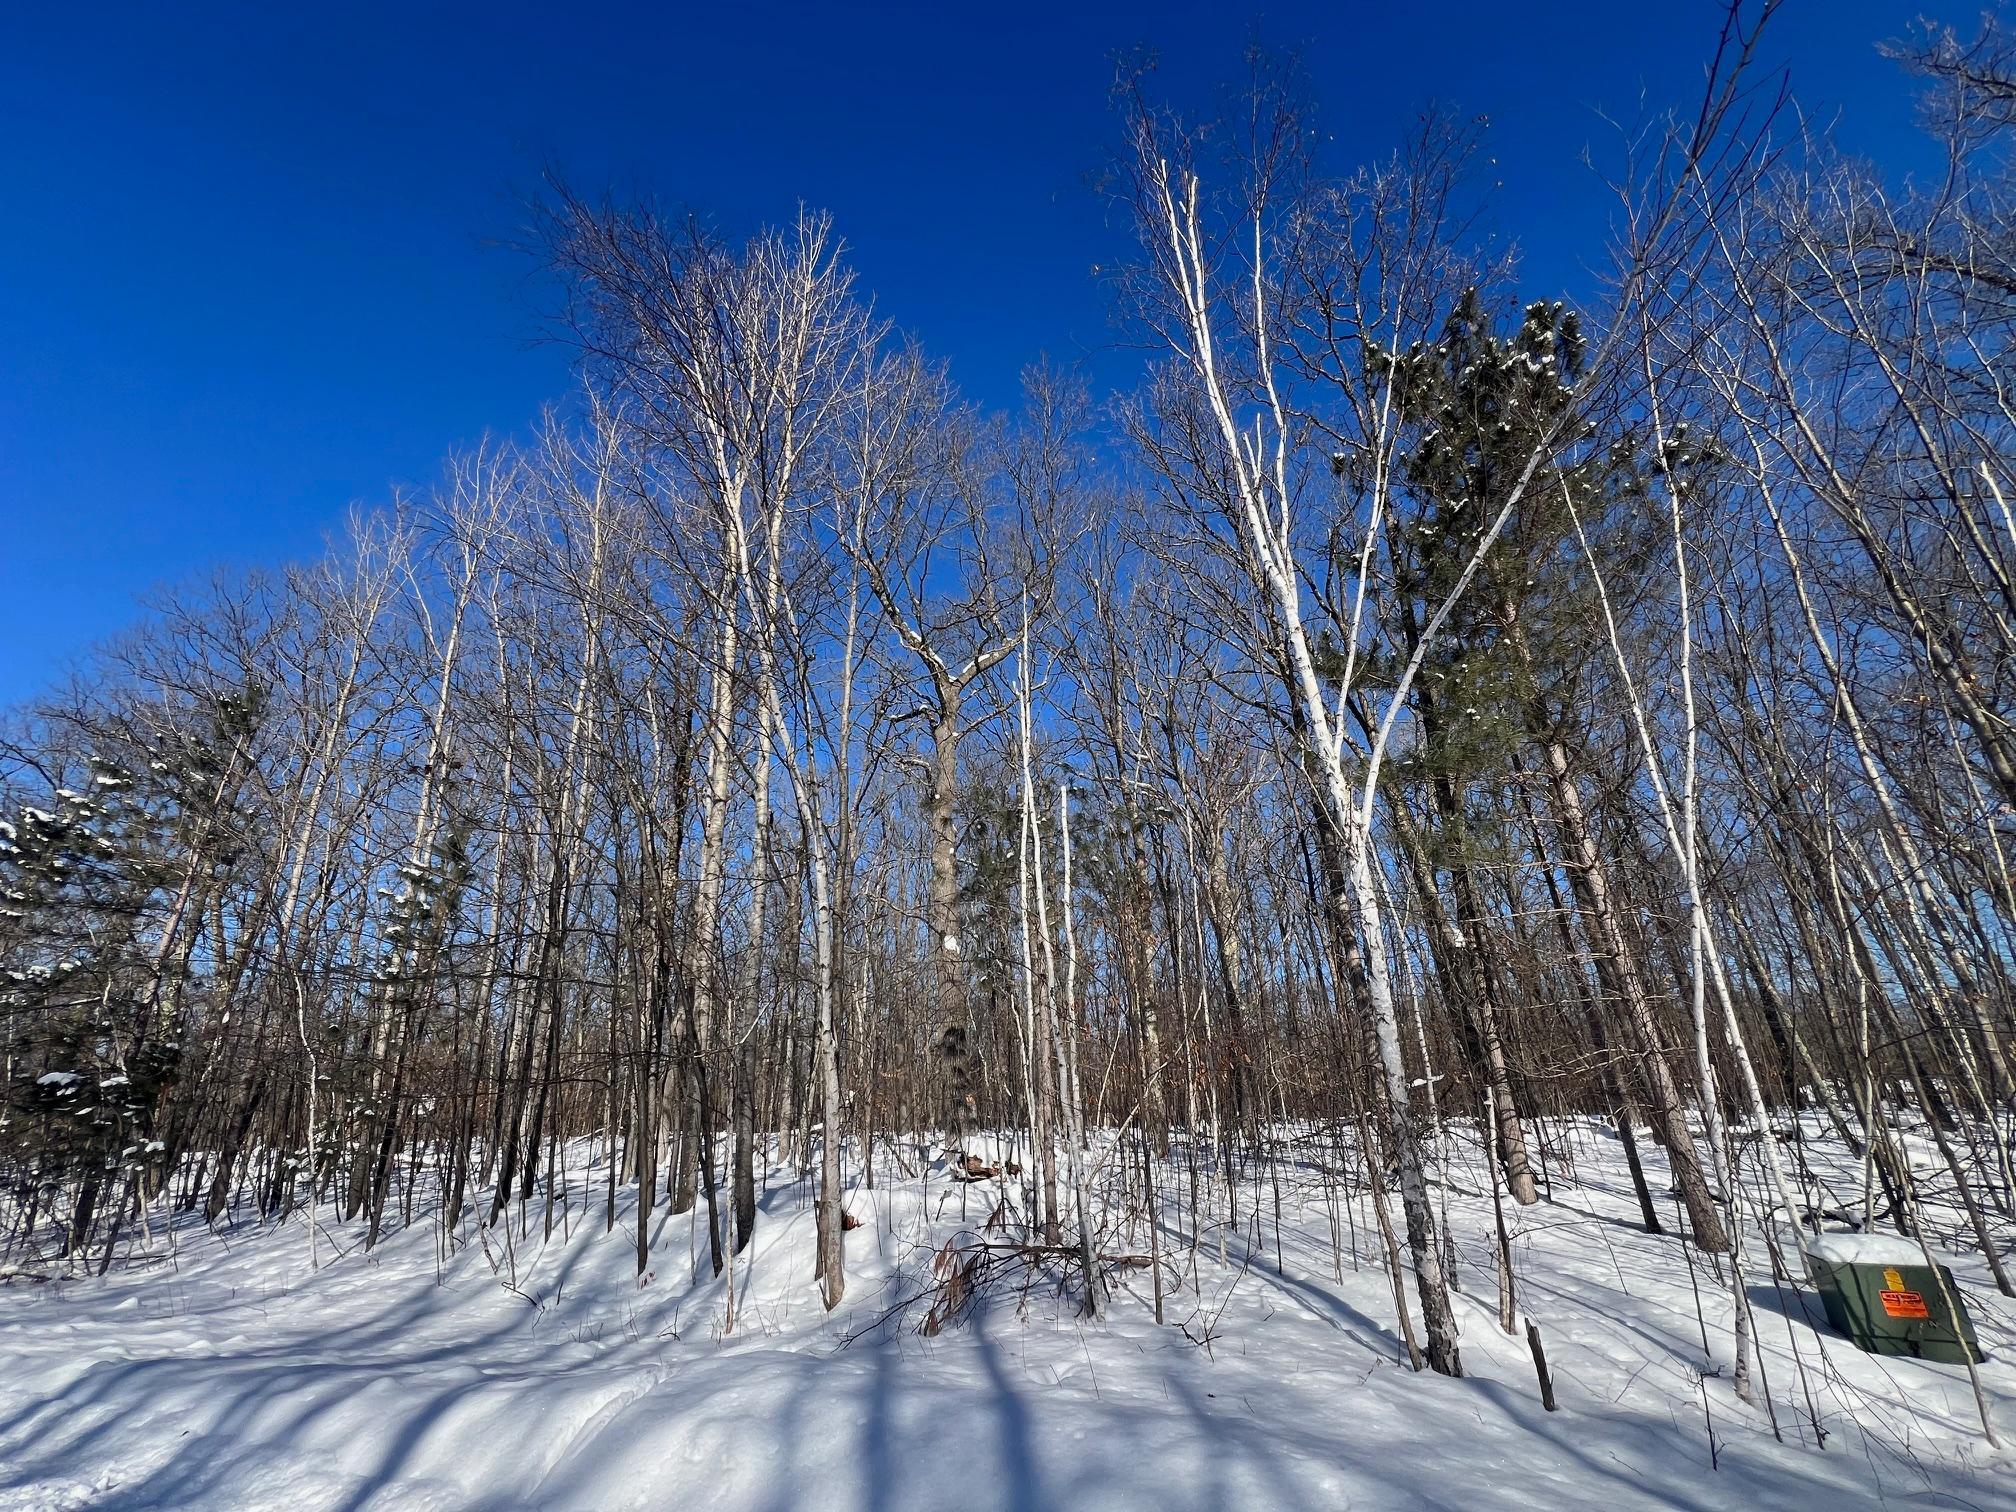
105, 899
1509, 661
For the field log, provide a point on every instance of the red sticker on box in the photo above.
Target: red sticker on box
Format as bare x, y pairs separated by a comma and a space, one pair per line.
1903, 1304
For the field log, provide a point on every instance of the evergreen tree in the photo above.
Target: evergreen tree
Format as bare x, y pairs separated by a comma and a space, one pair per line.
105, 901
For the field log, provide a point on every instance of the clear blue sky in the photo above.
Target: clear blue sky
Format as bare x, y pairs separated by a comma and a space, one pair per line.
247, 261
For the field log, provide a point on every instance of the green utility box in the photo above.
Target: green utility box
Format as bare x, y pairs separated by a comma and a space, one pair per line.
1879, 1291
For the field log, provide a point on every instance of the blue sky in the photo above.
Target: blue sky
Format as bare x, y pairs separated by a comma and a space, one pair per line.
250, 260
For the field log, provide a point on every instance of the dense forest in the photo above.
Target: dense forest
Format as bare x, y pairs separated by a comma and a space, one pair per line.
1421, 709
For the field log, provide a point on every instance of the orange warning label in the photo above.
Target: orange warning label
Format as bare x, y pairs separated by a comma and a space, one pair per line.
1903, 1304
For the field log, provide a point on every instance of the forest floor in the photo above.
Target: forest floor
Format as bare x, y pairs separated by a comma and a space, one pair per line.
221, 1370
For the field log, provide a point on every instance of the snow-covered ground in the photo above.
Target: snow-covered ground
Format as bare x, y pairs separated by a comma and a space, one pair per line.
224, 1372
